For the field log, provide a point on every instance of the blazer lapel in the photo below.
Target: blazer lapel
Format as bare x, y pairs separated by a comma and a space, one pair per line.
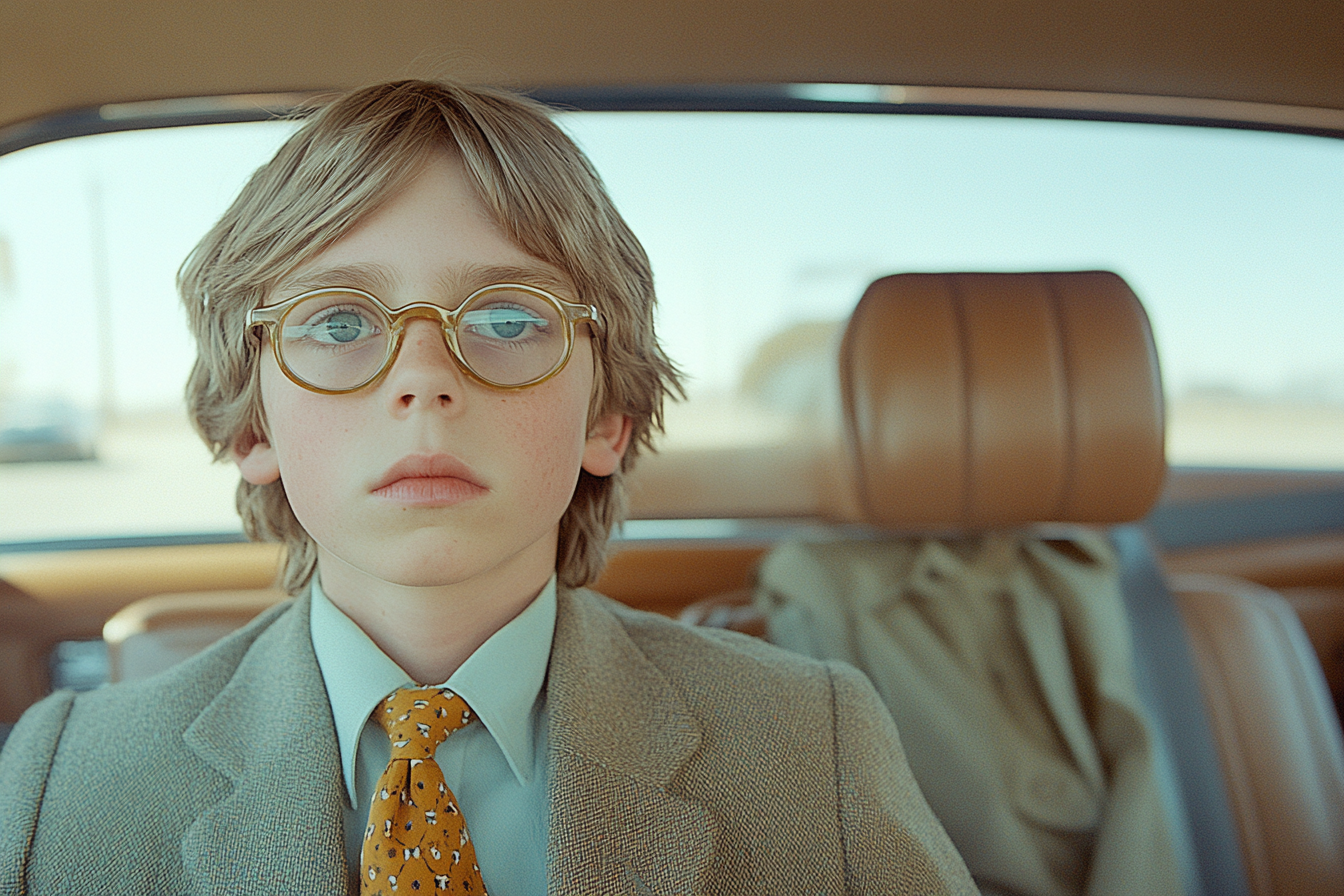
269, 731
619, 733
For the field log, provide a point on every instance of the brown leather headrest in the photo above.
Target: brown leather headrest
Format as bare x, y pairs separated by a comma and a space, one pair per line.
987, 400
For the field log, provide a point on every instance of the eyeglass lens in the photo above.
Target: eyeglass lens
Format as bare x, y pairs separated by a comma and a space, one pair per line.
337, 340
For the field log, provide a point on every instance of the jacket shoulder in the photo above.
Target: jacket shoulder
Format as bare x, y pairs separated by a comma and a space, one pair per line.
27, 758
778, 732
105, 732
83, 765
172, 697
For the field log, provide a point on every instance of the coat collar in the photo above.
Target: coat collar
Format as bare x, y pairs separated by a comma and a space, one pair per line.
620, 732
267, 730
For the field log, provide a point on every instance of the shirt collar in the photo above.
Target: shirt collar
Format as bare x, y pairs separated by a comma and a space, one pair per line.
501, 680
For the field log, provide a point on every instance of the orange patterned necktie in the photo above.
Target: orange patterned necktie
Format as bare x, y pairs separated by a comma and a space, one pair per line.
417, 841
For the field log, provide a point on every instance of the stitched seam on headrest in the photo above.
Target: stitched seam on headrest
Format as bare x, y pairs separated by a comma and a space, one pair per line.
968, 435
1069, 475
850, 406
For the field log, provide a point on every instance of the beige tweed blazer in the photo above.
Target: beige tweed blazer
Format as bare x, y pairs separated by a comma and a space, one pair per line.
681, 761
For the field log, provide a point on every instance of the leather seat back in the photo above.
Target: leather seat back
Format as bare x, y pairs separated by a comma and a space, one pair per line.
979, 402
155, 633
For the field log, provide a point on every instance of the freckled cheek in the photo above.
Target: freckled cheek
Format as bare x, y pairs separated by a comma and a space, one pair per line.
548, 443
307, 439
308, 472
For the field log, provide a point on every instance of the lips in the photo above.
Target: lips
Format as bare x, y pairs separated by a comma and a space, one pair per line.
429, 480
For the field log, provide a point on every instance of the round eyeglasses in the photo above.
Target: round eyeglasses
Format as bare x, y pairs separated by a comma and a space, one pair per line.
339, 339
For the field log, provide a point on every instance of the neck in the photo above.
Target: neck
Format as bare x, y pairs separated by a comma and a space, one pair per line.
429, 631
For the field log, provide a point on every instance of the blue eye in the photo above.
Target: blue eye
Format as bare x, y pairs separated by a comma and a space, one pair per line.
336, 326
503, 322
344, 326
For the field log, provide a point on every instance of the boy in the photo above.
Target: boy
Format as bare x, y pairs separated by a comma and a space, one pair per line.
426, 339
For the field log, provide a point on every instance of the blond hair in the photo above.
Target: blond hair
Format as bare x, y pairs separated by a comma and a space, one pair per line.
349, 157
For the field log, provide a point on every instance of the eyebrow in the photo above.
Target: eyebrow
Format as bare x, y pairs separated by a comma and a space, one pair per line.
457, 283
369, 277
470, 278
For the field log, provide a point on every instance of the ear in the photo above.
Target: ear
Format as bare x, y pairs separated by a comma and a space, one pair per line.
256, 460
606, 444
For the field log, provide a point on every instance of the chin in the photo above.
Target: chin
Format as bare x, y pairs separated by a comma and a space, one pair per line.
443, 570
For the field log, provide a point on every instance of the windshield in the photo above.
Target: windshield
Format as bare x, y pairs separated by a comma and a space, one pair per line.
763, 229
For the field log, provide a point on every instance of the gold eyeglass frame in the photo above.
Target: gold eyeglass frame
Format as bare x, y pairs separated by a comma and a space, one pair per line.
572, 313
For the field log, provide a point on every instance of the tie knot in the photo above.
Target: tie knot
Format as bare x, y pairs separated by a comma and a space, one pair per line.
417, 720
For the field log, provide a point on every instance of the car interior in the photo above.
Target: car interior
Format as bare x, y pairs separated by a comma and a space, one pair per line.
1023, 318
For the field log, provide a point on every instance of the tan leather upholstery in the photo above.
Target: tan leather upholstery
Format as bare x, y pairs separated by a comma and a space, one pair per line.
1277, 733
978, 400
155, 633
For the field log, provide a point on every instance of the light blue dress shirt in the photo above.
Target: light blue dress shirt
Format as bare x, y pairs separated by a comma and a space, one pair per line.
496, 769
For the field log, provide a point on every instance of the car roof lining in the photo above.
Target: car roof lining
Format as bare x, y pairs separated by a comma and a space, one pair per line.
76, 54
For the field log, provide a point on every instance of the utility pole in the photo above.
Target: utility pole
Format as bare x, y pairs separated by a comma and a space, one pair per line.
102, 301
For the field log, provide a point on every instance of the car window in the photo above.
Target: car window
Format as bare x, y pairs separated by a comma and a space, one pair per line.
763, 229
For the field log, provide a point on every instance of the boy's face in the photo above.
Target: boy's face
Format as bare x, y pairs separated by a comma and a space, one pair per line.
426, 477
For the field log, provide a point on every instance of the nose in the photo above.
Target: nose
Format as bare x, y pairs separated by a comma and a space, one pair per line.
424, 374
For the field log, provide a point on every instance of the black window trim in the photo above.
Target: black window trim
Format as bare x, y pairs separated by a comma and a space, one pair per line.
821, 98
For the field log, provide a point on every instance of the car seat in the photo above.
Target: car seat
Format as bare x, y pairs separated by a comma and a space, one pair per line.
980, 406
155, 633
